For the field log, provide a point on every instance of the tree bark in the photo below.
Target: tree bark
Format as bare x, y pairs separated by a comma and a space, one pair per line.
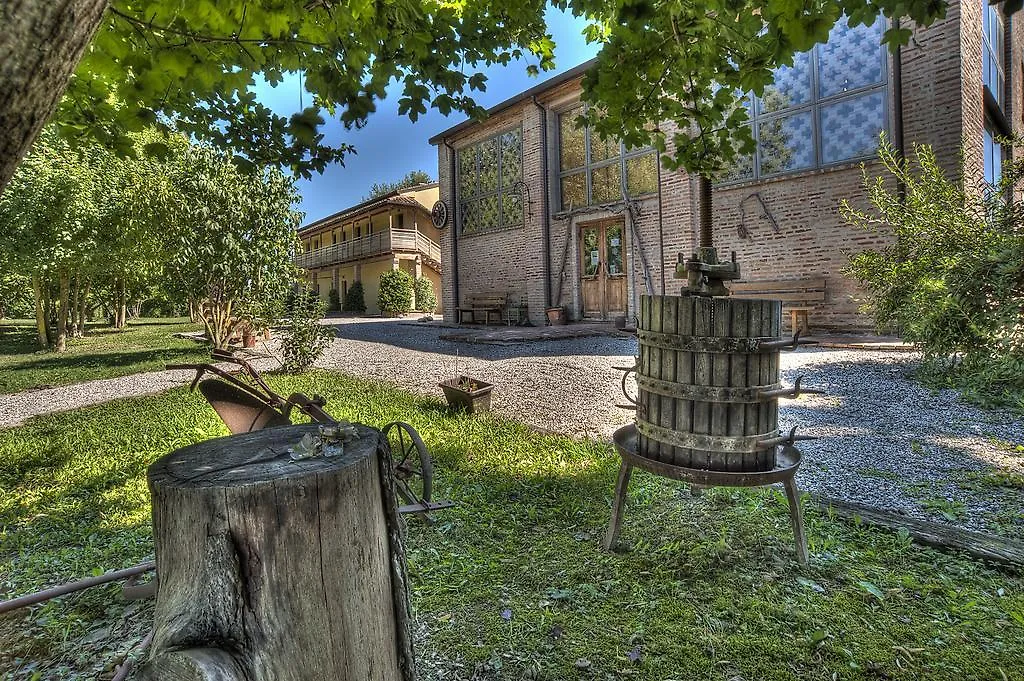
273, 569
40, 45
82, 302
61, 343
48, 305
76, 291
37, 293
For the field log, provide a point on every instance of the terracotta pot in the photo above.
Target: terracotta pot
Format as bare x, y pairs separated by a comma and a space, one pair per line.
556, 315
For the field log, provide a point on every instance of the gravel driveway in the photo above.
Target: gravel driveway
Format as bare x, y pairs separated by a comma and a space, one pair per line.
886, 441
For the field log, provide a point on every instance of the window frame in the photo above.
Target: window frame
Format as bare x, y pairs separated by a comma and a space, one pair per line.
814, 105
499, 189
589, 167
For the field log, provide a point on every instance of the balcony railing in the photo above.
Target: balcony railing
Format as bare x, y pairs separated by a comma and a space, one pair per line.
367, 246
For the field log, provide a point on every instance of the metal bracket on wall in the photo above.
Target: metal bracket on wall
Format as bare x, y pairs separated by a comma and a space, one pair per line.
520, 187
743, 231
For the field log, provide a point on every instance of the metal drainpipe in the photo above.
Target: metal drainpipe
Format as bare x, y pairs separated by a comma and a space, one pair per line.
454, 226
897, 132
545, 224
661, 229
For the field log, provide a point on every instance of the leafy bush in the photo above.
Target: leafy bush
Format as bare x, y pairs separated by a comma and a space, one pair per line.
395, 292
354, 301
952, 280
333, 300
426, 301
304, 338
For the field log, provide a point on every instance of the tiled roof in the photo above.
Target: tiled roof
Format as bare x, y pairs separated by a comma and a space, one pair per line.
393, 199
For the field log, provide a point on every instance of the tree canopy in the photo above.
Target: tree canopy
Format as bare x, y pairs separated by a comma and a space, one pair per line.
195, 66
411, 179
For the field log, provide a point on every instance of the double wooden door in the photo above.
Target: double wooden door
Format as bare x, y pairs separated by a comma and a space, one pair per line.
602, 270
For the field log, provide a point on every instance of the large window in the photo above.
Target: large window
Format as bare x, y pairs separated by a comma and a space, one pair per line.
993, 159
488, 175
829, 107
591, 170
992, 66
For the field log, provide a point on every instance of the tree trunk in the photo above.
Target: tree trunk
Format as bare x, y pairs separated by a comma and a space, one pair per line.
122, 304
40, 46
37, 293
82, 308
48, 303
61, 343
73, 317
273, 569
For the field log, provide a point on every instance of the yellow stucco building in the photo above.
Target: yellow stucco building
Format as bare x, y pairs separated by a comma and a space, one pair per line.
388, 232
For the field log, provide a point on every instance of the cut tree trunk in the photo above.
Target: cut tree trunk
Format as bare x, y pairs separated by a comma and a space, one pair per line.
273, 569
40, 46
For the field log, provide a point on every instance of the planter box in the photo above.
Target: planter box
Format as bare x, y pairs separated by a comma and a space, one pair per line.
472, 401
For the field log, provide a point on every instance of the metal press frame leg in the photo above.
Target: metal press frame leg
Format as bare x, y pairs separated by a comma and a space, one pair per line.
797, 516
618, 506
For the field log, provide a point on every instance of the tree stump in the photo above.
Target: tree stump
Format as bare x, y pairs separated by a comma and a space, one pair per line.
276, 569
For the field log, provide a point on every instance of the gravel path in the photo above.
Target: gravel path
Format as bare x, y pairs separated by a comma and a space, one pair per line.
885, 440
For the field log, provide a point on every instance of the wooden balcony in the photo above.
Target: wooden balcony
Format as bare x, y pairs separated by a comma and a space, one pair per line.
381, 243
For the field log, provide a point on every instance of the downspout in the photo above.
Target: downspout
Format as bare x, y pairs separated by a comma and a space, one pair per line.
897, 131
545, 218
661, 229
454, 227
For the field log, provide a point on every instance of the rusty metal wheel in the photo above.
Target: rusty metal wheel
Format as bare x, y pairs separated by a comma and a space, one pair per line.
414, 469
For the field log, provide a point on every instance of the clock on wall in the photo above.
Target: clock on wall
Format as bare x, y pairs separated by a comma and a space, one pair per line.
439, 214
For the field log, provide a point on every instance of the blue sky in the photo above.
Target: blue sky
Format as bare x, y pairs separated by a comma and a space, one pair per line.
390, 145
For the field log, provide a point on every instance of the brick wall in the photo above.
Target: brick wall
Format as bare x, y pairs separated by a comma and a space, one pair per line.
942, 107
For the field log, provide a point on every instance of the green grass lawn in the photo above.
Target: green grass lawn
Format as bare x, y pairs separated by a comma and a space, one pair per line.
512, 583
146, 345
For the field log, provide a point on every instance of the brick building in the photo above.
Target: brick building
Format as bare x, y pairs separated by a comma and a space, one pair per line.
538, 210
360, 243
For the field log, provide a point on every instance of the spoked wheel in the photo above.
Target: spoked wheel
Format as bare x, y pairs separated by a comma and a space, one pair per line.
414, 470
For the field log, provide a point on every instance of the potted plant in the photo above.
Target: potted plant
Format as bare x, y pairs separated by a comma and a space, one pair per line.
469, 394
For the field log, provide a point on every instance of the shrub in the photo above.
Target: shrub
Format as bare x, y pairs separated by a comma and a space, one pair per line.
304, 338
333, 300
354, 301
952, 280
426, 301
395, 292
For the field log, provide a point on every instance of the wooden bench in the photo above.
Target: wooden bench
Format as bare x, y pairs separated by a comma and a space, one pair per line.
798, 296
489, 304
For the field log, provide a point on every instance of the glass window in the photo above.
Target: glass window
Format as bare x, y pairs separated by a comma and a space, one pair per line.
992, 64
993, 159
829, 107
591, 170
488, 174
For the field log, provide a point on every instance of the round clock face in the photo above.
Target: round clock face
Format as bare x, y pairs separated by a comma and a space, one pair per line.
439, 214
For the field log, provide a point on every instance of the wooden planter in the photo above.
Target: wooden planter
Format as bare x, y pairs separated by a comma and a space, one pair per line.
473, 400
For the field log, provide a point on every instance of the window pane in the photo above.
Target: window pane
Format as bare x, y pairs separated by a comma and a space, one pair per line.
574, 191
786, 143
488, 177
792, 85
851, 58
992, 52
590, 251
642, 175
742, 169
572, 141
511, 210
850, 128
511, 159
488, 212
467, 171
613, 249
602, 150
993, 158
605, 185
470, 221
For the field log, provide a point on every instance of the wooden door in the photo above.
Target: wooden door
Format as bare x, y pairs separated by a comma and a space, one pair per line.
602, 270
